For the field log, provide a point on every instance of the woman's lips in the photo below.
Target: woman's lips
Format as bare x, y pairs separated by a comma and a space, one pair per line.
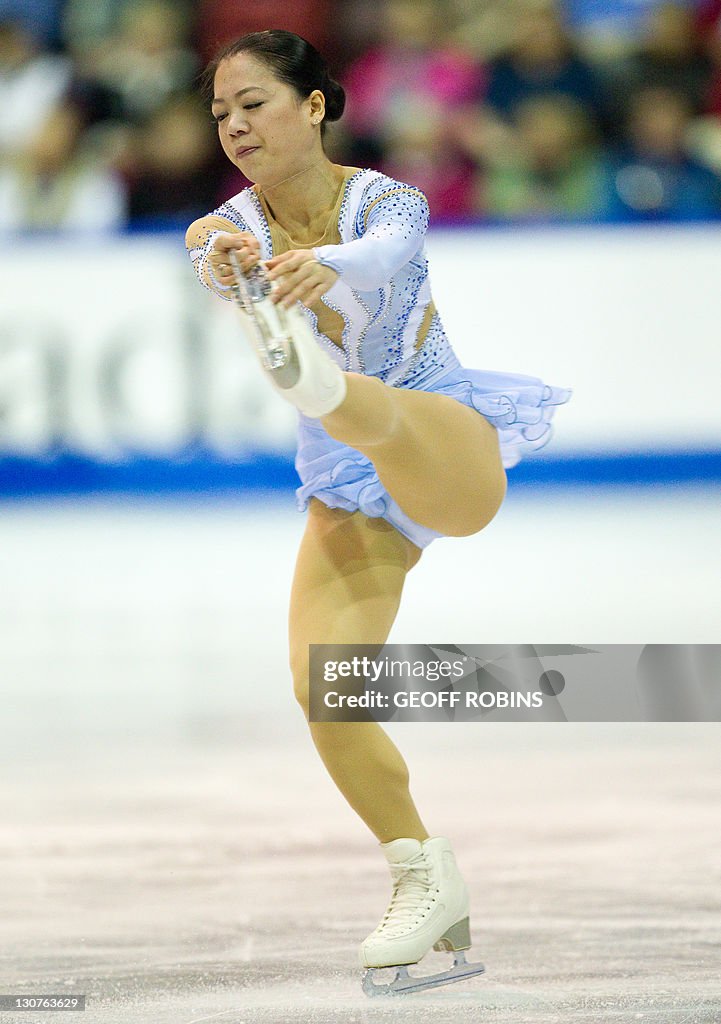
244, 151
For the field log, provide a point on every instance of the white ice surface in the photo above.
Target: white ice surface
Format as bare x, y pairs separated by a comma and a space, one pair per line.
172, 846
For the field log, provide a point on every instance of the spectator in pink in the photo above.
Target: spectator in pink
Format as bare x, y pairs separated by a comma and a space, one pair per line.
400, 95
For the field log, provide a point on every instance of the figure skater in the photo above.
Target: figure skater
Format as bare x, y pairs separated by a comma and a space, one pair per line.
398, 444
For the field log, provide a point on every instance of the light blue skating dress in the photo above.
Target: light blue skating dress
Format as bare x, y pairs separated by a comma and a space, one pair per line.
379, 319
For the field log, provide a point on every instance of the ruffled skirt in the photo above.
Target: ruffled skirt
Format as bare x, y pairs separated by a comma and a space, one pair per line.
520, 407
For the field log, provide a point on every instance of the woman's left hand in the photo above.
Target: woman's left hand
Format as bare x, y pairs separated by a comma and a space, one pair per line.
300, 277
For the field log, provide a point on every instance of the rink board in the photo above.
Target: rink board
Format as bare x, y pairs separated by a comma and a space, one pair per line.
121, 373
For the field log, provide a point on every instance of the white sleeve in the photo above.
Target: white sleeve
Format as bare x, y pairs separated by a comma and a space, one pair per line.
395, 227
199, 240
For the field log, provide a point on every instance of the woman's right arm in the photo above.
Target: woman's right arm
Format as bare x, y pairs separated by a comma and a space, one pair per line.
208, 241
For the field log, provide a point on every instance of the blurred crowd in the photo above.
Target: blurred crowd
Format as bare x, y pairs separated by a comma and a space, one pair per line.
500, 110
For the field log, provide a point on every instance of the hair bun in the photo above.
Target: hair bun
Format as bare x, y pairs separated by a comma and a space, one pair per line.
334, 100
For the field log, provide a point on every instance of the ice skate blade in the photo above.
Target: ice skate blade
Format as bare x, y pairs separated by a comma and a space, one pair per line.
404, 983
271, 331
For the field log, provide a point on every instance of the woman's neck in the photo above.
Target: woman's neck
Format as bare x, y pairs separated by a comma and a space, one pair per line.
302, 202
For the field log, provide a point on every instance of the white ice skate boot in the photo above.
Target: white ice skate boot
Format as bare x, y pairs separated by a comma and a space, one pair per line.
428, 910
298, 368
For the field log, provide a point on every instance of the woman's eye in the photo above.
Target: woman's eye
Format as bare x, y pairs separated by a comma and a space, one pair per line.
248, 106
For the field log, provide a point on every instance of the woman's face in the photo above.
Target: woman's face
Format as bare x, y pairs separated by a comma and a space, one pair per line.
265, 129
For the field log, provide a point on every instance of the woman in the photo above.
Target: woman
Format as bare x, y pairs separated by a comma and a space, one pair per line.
398, 444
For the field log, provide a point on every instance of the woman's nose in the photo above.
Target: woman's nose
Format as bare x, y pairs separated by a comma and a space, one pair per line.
237, 125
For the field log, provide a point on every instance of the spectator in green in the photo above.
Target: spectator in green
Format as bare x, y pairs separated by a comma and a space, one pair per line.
550, 169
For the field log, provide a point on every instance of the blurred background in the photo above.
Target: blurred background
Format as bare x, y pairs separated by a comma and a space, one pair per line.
512, 112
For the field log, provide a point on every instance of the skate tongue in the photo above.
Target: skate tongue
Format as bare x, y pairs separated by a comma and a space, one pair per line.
401, 850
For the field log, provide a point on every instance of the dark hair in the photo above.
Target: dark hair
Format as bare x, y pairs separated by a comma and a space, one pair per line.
292, 59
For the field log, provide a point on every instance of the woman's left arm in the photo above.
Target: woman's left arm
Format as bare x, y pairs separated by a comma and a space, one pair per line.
394, 227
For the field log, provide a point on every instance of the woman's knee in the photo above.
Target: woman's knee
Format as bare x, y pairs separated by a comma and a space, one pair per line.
487, 503
469, 506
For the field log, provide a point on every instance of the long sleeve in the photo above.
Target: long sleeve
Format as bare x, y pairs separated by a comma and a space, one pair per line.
199, 240
391, 229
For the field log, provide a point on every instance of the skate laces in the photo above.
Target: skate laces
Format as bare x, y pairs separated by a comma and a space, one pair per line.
412, 893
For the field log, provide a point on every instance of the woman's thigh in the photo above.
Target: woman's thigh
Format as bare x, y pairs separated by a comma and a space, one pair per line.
347, 584
443, 464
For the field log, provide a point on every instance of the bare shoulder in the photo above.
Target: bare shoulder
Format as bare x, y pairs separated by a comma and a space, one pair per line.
199, 231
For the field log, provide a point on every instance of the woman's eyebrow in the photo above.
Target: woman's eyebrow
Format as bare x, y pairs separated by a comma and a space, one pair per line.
239, 93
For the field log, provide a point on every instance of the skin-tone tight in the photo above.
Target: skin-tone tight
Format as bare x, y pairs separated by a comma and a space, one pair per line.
440, 462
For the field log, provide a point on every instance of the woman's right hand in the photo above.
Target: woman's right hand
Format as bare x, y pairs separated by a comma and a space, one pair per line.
244, 243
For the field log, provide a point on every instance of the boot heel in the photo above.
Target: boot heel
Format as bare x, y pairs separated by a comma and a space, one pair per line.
458, 936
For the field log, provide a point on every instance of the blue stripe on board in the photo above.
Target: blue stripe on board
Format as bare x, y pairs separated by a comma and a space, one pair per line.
74, 474
646, 468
